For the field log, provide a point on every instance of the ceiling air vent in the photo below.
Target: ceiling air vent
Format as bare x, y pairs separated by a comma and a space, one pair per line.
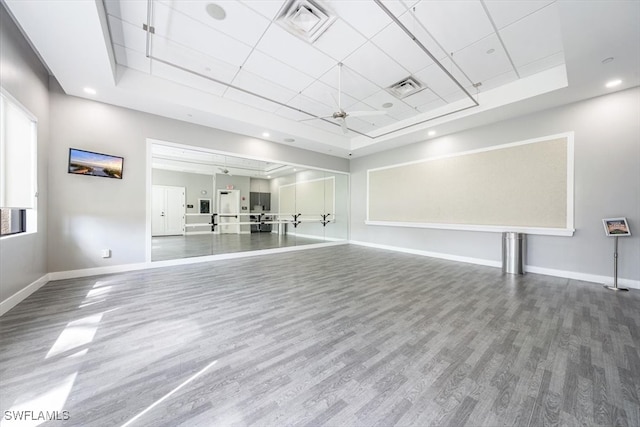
406, 87
306, 19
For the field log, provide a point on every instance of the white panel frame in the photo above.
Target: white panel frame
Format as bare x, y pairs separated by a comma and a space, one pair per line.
567, 231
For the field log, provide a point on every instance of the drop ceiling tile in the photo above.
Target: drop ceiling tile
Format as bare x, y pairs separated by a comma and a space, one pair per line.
353, 84
376, 66
417, 29
432, 106
398, 110
292, 114
505, 12
186, 31
397, 44
271, 69
134, 12
339, 40
267, 8
241, 22
478, 65
280, 44
365, 16
329, 126
437, 80
176, 75
423, 97
397, 7
541, 64
256, 84
250, 100
328, 95
132, 59
454, 24
310, 106
534, 37
193, 60
359, 125
495, 81
375, 120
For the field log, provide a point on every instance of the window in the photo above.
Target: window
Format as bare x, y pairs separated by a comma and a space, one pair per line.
18, 167
13, 221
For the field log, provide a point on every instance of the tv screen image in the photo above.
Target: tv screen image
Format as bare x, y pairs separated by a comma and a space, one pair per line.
83, 162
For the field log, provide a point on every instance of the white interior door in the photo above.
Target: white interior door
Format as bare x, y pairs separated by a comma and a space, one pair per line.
167, 210
229, 204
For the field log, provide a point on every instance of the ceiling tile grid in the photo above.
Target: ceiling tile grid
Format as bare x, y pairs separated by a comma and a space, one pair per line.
186, 31
241, 22
249, 50
534, 37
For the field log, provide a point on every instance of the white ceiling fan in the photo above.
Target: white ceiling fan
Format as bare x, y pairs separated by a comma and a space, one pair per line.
225, 171
341, 115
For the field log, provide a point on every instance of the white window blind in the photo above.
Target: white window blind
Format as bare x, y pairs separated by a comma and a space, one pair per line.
17, 155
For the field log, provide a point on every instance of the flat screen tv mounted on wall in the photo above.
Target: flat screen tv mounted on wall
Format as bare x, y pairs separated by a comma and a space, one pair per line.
83, 162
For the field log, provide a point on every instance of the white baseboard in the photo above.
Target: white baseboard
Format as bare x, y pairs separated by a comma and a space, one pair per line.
586, 277
22, 294
312, 236
438, 255
95, 271
86, 272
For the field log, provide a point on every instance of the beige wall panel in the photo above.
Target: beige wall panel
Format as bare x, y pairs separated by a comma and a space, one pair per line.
523, 185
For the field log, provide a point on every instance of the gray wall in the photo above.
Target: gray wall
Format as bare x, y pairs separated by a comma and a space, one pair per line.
88, 213
23, 258
607, 173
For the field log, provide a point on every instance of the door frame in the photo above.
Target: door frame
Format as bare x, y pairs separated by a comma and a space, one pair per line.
236, 194
183, 219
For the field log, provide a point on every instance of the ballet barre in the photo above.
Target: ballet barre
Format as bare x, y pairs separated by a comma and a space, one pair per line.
263, 218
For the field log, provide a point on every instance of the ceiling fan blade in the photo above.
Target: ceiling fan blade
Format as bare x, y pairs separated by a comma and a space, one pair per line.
316, 118
343, 125
366, 113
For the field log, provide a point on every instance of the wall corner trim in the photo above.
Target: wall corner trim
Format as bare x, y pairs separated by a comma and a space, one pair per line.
22, 294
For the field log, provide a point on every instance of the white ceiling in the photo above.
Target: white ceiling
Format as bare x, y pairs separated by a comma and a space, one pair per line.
181, 159
247, 74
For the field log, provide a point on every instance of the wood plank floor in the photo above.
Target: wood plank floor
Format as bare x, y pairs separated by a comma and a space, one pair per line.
339, 336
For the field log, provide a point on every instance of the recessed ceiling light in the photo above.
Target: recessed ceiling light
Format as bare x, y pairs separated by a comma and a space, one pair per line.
266, 134
431, 133
607, 60
268, 176
613, 83
216, 11
89, 90
289, 140
490, 51
387, 105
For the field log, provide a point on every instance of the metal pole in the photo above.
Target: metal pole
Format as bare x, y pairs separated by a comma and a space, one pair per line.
615, 268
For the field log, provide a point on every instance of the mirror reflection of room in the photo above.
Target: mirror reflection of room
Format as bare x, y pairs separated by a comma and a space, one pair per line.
204, 203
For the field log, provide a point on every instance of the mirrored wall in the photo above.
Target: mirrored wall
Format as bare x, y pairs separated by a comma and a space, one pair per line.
205, 203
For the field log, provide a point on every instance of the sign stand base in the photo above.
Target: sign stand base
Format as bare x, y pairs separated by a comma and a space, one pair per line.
615, 269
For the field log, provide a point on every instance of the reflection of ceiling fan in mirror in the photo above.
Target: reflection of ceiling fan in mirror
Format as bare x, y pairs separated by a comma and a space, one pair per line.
341, 115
